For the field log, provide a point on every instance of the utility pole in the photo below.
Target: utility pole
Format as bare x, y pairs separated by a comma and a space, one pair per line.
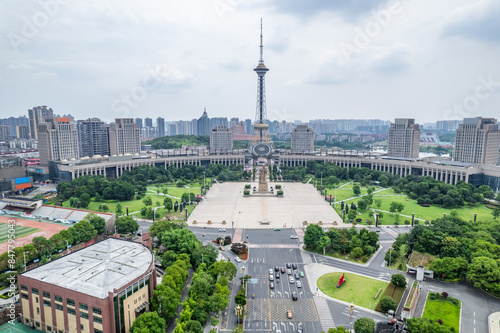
25, 260
350, 317
204, 184
390, 256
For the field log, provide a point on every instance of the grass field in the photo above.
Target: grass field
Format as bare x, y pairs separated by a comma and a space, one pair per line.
19, 232
357, 289
443, 309
410, 206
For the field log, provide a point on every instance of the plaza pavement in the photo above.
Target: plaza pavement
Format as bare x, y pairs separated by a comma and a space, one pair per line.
300, 202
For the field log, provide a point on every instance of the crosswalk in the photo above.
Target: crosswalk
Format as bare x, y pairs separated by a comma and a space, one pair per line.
325, 317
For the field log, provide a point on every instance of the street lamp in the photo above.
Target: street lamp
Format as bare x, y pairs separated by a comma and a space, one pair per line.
321, 181
335, 202
67, 244
204, 184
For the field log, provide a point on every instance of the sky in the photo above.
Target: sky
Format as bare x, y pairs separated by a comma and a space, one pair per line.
335, 59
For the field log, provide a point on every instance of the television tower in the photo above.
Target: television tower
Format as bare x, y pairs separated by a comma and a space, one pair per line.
262, 145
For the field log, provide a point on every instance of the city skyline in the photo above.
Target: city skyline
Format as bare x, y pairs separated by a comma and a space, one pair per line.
328, 59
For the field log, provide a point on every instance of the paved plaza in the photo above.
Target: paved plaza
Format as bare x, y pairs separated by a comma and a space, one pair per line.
300, 202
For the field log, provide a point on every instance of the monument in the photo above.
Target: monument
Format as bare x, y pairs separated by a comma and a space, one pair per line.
263, 180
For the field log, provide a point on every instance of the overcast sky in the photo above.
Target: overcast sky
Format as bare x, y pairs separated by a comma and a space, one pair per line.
328, 59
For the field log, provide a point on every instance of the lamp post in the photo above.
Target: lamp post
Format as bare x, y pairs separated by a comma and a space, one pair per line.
335, 202
204, 184
25, 260
67, 245
321, 181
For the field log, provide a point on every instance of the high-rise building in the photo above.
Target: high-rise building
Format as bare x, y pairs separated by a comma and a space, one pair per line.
22, 132
218, 121
302, 140
148, 122
221, 139
4, 132
93, 137
124, 137
160, 124
57, 140
203, 124
172, 129
138, 121
477, 141
404, 138
38, 115
194, 126
248, 126
448, 125
103, 287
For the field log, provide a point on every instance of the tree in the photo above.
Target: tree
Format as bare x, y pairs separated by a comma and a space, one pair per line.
98, 222
484, 273
126, 224
364, 325
224, 268
240, 298
398, 280
362, 204
356, 189
84, 200
187, 197
357, 252
378, 203
147, 201
423, 325
397, 208
312, 235
352, 214
339, 329
119, 210
387, 303
165, 190
97, 197
149, 322
167, 202
82, 231
496, 213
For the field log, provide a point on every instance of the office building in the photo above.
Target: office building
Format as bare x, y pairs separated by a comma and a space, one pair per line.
302, 140
138, 121
148, 122
403, 138
203, 124
36, 116
22, 132
101, 288
248, 126
57, 140
221, 139
93, 137
172, 129
124, 137
160, 124
477, 141
4, 132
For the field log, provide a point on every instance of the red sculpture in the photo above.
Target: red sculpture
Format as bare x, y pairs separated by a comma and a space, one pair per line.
341, 281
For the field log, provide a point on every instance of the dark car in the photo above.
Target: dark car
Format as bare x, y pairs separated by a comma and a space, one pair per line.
276, 268
271, 285
300, 330
277, 275
288, 265
297, 276
294, 266
282, 270
295, 296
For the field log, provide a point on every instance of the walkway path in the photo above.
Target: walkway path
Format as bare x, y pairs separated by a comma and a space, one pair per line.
360, 196
172, 323
165, 195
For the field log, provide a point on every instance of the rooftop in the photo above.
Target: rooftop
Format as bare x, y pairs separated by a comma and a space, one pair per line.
97, 269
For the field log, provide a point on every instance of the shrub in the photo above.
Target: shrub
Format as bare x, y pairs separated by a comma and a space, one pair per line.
246, 192
407, 222
444, 294
357, 252
277, 186
439, 321
280, 192
247, 185
416, 222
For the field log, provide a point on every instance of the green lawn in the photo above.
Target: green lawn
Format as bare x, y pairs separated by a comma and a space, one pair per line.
444, 310
177, 191
396, 293
426, 213
19, 231
357, 289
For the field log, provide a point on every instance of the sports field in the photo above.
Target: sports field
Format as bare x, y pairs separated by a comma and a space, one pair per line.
24, 237
18, 231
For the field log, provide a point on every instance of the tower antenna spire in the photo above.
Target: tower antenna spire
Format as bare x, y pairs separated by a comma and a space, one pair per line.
261, 61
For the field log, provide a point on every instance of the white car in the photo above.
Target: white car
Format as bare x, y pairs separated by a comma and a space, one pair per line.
237, 259
299, 284
294, 237
292, 280
223, 230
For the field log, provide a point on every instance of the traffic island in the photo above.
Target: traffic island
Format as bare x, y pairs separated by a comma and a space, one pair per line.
443, 309
356, 289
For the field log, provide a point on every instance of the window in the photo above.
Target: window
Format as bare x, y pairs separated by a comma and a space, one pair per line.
36, 299
24, 296
70, 302
84, 306
84, 315
59, 307
71, 311
49, 328
98, 320
46, 294
37, 324
37, 311
24, 288
58, 298
47, 303
97, 331
34, 291
97, 310
81, 327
